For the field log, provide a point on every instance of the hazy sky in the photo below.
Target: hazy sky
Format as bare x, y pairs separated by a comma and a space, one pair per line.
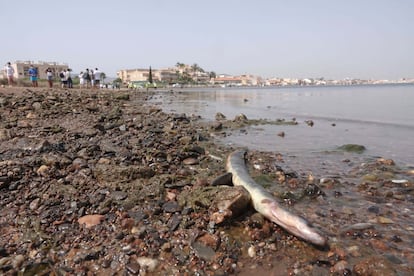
309, 38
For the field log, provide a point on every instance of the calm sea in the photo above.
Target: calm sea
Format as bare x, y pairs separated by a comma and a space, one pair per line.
379, 117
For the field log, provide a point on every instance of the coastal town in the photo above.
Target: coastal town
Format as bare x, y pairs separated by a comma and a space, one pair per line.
181, 75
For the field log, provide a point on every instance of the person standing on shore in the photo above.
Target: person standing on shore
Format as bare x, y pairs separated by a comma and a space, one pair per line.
9, 71
81, 80
87, 78
49, 76
33, 76
69, 78
97, 78
63, 80
92, 76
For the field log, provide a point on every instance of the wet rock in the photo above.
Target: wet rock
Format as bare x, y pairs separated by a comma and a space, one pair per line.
394, 259
220, 116
313, 190
341, 268
358, 226
217, 126
352, 148
374, 266
309, 123
230, 202
240, 118
387, 162
204, 252
257, 220
209, 240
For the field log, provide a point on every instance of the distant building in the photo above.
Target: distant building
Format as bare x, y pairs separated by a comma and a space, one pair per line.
168, 75
227, 80
21, 68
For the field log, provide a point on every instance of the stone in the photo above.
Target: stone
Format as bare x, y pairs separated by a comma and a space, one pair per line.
91, 220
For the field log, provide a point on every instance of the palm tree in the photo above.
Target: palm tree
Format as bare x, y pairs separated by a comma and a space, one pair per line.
195, 67
180, 65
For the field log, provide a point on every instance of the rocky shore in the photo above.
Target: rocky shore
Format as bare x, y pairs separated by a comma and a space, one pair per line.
104, 183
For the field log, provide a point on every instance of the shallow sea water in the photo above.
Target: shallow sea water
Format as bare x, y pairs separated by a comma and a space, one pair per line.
379, 117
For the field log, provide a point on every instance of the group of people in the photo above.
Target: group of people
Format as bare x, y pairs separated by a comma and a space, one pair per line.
32, 72
87, 79
66, 78
90, 78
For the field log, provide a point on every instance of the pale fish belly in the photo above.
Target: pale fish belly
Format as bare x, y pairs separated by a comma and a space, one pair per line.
266, 204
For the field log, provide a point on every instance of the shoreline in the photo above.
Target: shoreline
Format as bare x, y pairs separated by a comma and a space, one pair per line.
99, 181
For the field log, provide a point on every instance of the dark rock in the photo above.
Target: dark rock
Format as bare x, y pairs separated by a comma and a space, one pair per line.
119, 195
133, 267
204, 252
137, 215
373, 209
171, 207
174, 222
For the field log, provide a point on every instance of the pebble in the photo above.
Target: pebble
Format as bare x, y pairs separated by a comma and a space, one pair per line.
91, 220
384, 220
43, 170
340, 267
190, 161
149, 263
251, 251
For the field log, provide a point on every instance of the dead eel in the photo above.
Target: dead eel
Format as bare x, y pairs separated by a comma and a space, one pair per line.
266, 204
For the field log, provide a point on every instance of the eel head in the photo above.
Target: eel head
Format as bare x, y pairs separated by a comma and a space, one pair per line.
292, 223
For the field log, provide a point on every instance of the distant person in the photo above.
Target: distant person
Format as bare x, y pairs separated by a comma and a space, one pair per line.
97, 77
87, 78
49, 76
63, 80
9, 71
33, 76
92, 76
81, 80
69, 78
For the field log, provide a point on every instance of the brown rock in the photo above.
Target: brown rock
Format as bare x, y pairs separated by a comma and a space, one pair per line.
91, 220
43, 170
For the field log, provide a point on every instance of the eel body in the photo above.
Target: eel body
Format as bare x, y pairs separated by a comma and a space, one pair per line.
267, 205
